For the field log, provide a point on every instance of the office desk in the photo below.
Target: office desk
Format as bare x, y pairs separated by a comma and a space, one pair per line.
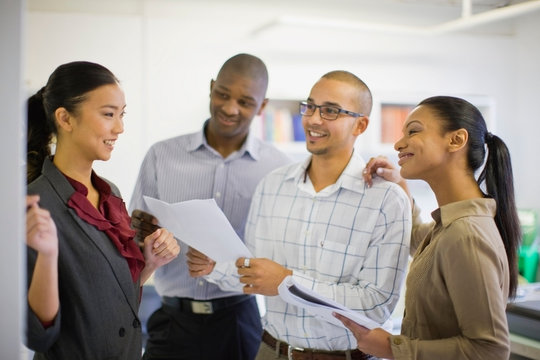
524, 346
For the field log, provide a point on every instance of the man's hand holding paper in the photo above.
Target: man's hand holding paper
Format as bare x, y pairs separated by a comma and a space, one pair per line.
198, 263
202, 225
261, 276
144, 223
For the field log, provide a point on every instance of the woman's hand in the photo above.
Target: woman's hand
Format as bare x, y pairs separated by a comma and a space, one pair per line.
41, 235
381, 166
375, 342
160, 247
40, 229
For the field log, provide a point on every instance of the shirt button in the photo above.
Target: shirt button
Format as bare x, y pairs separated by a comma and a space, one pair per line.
122, 332
222, 166
218, 194
397, 341
201, 283
136, 323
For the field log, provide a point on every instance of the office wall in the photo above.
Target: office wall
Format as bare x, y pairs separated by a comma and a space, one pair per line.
114, 41
167, 54
522, 125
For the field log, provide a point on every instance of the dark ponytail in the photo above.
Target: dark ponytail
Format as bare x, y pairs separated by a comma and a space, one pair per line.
457, 113
497, 174
67, 87
39, 136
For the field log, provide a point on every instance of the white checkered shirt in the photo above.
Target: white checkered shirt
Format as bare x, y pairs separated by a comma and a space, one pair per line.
347, 242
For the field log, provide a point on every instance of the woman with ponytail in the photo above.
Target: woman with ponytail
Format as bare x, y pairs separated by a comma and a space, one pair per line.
464, 266
85, 273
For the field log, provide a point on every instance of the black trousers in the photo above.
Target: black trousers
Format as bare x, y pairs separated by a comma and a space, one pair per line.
233, 333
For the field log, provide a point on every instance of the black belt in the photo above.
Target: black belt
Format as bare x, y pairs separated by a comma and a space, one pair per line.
202, 306
292, 352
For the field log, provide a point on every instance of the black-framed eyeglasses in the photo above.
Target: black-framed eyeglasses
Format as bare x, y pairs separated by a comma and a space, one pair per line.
327, 112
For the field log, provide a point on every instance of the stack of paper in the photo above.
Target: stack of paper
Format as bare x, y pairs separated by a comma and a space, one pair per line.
319, 306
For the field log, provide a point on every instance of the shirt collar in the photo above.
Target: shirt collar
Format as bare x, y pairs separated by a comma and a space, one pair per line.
101, 185
298, 172
350, 179
251, 146
449, 213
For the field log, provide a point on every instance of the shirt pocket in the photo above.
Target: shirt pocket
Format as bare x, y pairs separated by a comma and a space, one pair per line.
336, 261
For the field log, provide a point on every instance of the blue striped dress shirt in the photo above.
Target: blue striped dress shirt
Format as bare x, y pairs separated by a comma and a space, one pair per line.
347, 242
186, 168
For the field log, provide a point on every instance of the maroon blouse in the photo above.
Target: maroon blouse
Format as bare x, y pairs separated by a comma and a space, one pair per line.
112, 218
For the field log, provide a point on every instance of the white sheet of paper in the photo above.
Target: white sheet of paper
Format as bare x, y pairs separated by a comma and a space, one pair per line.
202, 225
319, 306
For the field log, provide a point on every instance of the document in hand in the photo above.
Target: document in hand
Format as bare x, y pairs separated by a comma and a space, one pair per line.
202, 225
319, 306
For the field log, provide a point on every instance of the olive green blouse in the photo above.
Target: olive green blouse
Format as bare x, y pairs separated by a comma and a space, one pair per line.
457, 287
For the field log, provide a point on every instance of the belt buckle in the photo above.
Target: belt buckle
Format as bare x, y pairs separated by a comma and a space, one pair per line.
202, 307
290, 350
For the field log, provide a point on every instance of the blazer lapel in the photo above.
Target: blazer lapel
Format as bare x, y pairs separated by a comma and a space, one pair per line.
117, 263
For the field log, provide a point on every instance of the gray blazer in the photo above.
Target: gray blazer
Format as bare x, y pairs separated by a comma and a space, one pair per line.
98, 300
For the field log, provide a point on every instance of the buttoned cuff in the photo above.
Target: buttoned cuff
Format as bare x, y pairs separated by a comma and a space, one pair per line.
401, 347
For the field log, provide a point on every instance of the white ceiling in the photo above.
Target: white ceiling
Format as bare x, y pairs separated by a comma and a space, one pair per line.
383, 6
421, 16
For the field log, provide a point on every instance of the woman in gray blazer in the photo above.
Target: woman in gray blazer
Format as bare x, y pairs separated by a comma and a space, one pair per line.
84, 290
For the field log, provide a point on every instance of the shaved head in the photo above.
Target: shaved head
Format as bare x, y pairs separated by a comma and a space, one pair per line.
365, 100
247, 66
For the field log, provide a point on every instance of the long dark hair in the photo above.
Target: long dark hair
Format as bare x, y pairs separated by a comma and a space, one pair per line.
457, 113
67, 87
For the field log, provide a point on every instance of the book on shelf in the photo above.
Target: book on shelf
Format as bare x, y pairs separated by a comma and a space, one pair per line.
279, 125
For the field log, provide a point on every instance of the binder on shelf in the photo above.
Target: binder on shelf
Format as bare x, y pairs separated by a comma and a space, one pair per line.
298, 128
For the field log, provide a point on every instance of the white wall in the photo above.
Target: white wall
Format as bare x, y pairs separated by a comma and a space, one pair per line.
114, 41
521, 122
167, 54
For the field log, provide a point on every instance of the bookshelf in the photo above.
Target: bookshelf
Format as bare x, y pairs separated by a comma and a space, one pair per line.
390, 111
281, 124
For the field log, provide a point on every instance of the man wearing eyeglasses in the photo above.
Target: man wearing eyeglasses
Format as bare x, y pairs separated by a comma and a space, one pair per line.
319, 223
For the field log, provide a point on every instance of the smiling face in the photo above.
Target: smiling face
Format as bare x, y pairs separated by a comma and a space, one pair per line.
235, 99
91, 131
333, 137
423, 149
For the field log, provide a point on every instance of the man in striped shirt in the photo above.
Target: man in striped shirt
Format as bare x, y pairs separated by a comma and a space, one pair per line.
198, 320
319, 223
